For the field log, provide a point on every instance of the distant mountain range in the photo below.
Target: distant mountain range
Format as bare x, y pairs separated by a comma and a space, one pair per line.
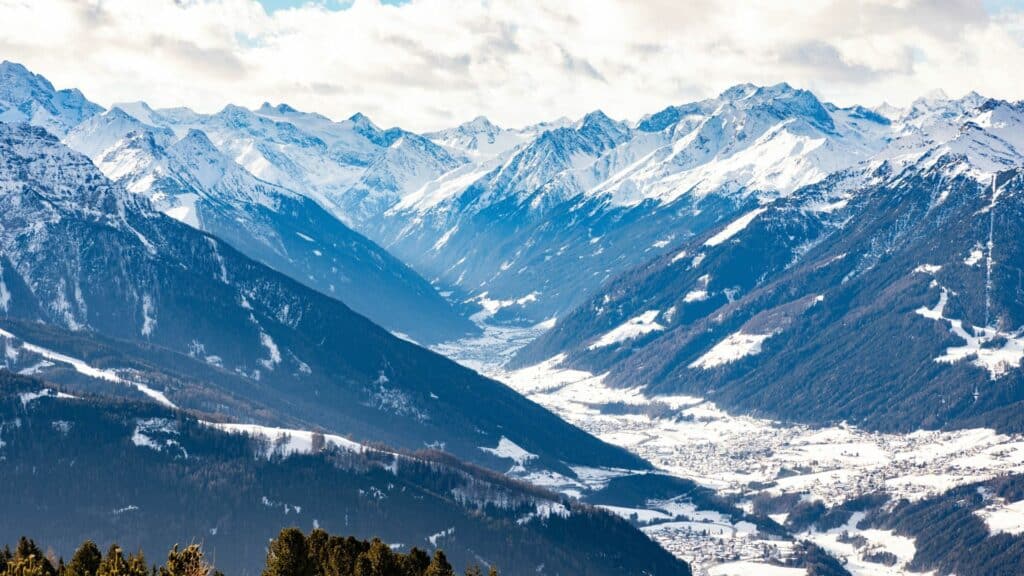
187, 177
600, 196
94, 272
887, 294
680, 251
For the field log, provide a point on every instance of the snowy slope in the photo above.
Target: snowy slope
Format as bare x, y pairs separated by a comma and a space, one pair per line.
353, 168
92, 270
884, 294
186, 176
599, 197
480, 138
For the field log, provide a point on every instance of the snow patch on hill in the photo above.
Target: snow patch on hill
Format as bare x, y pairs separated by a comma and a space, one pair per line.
512, 451
5, 294
735, 346
30, 397
284, 442
735, 227
85, 369
631, 329
876, 541
1004, 518
989, 348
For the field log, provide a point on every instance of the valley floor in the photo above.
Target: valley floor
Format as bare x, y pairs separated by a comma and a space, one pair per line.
692, 438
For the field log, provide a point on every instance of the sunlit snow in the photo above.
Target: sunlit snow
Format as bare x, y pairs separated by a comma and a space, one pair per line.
735, 227
633, 328
737, 345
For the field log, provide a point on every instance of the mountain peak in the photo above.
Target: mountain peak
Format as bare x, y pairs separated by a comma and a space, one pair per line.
739, 91
234, 111
936, 104
19, 85
35, 100
481, 124
118, 113
141, 111
197, 141
17, 69
784, 101
67, 179
282, 108
363, 126
888, 111
360, 119
135, 104
659, 120
596, 117
599, 129
780, 87
760, 93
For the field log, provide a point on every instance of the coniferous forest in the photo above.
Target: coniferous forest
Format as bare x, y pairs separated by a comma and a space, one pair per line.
292, 553
145, 477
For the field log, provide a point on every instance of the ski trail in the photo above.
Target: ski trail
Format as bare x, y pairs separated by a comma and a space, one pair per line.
989, 247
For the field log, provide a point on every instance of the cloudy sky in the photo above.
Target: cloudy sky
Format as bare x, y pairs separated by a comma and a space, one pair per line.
424, 64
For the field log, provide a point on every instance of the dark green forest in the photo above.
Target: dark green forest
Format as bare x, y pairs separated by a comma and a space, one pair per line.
78, 471
292, 553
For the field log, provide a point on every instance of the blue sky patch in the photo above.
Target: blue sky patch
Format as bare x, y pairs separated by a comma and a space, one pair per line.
274, 5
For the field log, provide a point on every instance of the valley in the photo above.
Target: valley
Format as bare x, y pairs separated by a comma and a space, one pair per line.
744, 456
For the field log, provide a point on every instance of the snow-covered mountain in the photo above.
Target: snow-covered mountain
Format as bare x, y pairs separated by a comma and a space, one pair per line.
497, 214
112, 293
760, 140
885, 295
186, 176
599, 196
353, 167
481, 139
28, 97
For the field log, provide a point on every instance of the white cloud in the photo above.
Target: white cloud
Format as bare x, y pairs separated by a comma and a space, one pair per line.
432, 63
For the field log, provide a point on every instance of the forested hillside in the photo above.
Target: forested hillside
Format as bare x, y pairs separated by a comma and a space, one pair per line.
146, 476
292, 553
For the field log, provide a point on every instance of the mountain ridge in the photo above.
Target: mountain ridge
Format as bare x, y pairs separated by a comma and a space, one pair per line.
188, 177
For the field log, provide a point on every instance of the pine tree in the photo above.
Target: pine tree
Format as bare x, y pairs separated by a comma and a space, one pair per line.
29, 560
382, 558
137, 565
25, 567
318, 442
289, 555
364, 567
115, 564
439, 566
415, 563
85, 561
317, 545
187, 562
